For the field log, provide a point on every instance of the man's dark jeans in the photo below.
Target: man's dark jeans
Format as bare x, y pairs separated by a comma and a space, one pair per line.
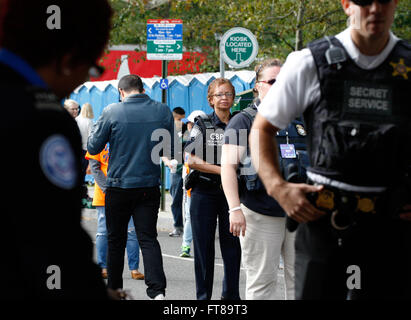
143, 205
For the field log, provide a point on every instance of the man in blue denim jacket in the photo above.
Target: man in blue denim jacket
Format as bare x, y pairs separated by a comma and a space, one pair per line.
133, 128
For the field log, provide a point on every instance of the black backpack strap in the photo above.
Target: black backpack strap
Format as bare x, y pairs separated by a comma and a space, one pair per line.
319, 49
250, 182
205, 123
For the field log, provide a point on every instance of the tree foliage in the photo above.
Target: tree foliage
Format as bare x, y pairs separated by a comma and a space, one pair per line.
280, 26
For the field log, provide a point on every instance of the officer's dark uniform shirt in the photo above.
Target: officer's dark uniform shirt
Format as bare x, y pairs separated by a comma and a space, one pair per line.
45, 252
206, 144
258, 201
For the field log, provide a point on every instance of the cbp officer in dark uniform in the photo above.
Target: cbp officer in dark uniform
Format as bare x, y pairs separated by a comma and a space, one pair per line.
46, 254
354, 237
208, 202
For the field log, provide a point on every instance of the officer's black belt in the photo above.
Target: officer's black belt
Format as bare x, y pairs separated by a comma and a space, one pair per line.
208, 182
345, 207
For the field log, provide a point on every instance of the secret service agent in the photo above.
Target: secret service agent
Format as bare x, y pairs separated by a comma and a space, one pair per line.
45, 252
354, 99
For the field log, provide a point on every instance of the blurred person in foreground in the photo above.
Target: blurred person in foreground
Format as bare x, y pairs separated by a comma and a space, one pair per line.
46, 254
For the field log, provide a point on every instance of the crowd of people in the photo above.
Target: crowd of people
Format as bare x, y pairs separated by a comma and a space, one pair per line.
316, 170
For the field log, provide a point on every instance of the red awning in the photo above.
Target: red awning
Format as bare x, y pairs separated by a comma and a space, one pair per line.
136, 63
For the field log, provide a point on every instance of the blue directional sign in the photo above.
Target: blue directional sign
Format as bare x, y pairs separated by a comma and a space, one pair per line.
164, 39
162, 31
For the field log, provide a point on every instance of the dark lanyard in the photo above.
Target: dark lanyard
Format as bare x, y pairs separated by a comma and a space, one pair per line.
21, 67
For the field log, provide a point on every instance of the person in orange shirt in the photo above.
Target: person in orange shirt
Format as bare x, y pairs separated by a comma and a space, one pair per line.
98, 166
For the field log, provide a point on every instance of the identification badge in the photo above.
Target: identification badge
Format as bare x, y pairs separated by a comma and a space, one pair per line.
288, 151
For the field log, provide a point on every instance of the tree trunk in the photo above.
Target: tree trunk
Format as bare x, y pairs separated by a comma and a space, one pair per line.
299, 42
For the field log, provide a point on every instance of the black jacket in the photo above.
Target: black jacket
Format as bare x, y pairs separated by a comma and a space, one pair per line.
41, 235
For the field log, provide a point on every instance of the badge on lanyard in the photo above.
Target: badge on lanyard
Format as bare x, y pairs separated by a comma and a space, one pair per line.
288, 151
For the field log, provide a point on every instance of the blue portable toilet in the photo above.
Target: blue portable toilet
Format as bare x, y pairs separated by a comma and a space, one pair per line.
187, 91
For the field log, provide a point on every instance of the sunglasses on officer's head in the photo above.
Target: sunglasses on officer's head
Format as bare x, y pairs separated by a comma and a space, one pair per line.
364, 3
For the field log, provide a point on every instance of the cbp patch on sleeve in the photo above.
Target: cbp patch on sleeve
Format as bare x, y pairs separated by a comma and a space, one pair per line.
57, 161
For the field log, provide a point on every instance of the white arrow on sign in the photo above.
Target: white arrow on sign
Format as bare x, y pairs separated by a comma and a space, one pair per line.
149, 30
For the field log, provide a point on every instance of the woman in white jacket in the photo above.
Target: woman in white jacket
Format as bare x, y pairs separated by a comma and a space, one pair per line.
85, 123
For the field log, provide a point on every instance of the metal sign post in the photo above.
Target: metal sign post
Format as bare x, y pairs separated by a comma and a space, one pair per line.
164, 42
163, 169
222, 66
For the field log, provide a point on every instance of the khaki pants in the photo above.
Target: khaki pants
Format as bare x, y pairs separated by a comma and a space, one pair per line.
266, 238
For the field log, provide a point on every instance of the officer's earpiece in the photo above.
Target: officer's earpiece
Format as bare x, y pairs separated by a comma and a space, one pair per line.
335, 55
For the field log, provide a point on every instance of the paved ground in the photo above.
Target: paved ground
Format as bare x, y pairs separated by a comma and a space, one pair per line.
179, 271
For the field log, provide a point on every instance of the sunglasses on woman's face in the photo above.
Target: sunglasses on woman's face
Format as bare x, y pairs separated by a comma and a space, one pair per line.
270, 82
364, 3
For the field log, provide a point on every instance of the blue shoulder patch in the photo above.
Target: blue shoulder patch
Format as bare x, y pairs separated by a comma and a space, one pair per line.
57, 162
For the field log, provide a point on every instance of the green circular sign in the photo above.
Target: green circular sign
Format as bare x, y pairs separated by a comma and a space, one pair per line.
239, 47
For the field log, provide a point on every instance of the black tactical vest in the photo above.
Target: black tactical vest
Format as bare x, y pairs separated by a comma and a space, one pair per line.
292, 166
360, 130
213, 140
